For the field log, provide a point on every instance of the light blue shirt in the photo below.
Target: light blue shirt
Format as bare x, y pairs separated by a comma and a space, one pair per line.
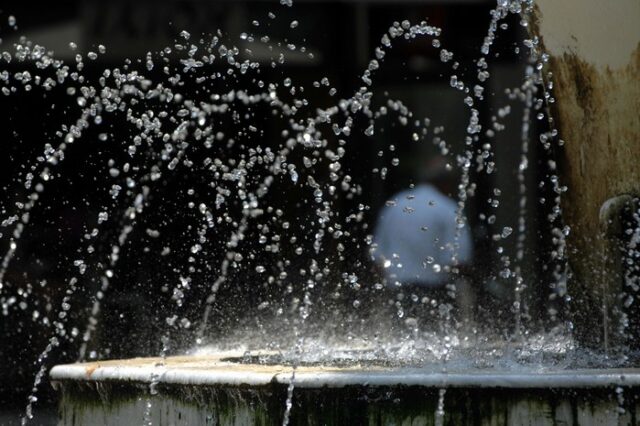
415, 237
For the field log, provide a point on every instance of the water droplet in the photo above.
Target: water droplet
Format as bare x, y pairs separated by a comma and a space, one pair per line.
445, 55
369, 131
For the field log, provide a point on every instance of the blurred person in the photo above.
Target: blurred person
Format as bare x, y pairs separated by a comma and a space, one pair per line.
415, 242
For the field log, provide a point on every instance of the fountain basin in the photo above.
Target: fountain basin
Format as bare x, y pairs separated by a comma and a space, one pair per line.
220, 390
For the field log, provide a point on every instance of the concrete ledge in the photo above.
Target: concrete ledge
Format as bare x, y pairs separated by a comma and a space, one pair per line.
216, 370
215, 390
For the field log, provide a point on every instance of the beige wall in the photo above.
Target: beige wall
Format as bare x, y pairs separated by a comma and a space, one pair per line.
594, 49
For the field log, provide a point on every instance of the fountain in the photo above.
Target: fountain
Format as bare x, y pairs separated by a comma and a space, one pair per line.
209, 171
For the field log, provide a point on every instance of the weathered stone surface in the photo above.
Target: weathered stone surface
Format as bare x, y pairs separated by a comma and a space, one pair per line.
594, 52
110, 404
212, 390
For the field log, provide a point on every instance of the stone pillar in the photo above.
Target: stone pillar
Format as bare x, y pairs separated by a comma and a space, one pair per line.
594, 49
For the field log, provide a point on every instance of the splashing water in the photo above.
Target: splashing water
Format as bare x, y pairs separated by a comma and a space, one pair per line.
229, 177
